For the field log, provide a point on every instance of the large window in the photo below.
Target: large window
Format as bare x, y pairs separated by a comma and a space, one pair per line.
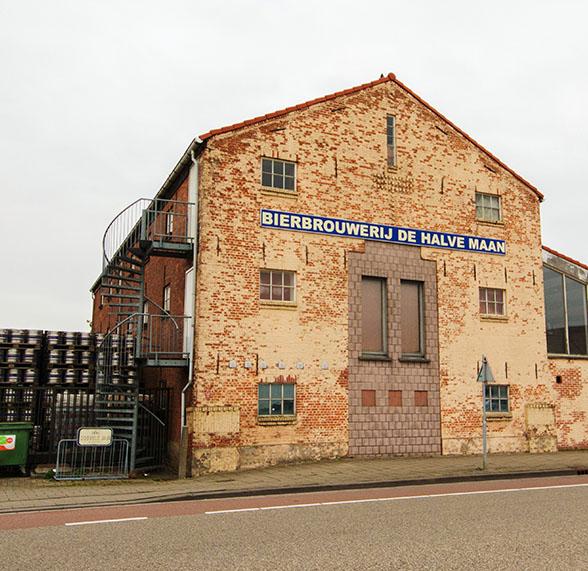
278, 174
496, 398
391, 140
492, 301
373, 319
566, 314
275, 399
488, 207
277, 285
411, 318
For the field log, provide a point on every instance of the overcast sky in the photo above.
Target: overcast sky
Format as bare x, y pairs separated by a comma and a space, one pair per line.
99, 99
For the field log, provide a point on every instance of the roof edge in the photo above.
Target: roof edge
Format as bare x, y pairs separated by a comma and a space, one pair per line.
564, 257
389, 77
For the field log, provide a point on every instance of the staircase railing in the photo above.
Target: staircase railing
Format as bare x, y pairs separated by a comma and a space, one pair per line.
153, 219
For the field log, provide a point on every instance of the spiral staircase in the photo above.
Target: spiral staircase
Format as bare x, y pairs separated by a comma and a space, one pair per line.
145, 334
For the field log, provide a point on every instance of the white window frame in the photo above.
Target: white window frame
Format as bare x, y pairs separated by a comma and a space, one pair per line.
169, 223
278, 285
273, 174
482, 208
487, 301
489, 398
269, 400
167, 298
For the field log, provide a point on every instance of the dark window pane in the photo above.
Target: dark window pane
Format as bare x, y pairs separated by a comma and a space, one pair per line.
373, 318
263, 391
288, 407
277, 293
288, 391
264, 408
288, 278
264, 277
264, 292
288, 294
276, 407
289, 183
266, 166
410, 316
278, 181
266, 179
277, 278
289, 169
276, 391
278, 167
576, 306
554, 311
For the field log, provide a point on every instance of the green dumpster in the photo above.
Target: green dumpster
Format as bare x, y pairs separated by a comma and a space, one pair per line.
14, 443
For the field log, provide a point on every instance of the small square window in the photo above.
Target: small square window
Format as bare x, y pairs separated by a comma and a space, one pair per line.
278, 174
276, 399
169, 223
492, 301
488, 207
277, 285
496, 398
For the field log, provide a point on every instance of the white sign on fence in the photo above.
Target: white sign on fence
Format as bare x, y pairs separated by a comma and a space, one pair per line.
91, 436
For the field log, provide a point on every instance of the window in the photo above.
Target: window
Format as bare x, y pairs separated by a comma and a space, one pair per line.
145, 313
169, 223
496, 398
411, 318
373, 319
492, 301
488, 207
278, 174
391, 140
566, 314
277, 285
167, 298
275, 399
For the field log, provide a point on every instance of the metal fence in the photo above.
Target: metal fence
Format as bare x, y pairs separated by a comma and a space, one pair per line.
75, 462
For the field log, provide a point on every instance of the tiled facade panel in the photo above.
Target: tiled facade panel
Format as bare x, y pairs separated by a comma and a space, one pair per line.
384, 429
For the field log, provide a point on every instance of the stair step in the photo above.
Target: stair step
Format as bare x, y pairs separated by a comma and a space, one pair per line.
128, 270
135, 261
136, 306
121, 287
124, 278
122, 295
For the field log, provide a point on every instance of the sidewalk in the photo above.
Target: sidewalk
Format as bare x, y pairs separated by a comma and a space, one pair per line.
26, 494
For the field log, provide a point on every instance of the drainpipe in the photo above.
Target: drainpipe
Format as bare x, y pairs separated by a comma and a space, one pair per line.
193, 184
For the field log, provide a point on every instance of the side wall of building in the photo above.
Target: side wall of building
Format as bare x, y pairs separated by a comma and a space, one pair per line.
340, 152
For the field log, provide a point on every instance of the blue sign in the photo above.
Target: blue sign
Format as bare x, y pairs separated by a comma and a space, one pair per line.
379, 232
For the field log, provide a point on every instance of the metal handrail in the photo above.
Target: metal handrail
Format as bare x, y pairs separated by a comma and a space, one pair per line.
127, 227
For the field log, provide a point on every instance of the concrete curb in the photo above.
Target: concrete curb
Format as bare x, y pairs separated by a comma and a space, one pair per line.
250, 492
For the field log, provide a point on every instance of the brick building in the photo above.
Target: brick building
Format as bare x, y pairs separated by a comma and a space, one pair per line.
335, 272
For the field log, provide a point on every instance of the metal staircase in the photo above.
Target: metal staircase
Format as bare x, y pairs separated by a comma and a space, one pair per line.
145, 335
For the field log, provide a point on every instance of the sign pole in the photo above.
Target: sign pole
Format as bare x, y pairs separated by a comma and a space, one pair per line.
485, 376
484, 442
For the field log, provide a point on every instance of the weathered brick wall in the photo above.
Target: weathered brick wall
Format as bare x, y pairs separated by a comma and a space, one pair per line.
340, 150
569, 384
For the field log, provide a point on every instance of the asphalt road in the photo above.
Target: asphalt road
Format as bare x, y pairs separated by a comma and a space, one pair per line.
518, 524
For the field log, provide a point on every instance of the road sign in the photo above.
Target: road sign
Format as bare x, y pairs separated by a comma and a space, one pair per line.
485, 373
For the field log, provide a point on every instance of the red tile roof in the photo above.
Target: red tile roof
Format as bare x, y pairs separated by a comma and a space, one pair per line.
560, 255
389, 77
